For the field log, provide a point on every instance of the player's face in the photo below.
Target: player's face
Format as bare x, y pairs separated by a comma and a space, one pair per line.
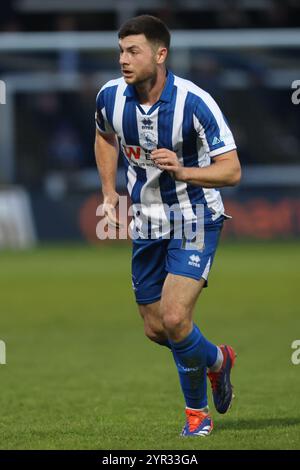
138, 59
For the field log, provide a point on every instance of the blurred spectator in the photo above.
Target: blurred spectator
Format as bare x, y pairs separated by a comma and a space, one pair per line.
65, 149
277, 14
8, 20
205, 71
68, 59
232, 15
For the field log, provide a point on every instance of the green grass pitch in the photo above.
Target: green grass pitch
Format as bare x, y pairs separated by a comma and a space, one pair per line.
81, 375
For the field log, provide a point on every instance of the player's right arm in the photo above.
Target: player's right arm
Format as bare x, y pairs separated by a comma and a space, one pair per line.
106, 153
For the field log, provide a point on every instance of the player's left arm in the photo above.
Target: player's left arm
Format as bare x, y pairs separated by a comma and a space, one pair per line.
225, 169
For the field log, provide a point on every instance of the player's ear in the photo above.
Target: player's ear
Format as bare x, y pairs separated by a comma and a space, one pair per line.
161, 54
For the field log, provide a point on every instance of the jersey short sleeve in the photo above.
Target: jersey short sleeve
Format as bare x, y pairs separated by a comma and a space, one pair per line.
212, 127
101, 121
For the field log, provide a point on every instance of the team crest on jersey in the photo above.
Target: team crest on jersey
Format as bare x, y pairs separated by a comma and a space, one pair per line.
148, 140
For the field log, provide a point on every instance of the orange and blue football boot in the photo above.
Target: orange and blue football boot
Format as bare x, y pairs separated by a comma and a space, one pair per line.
220, 381
198, 423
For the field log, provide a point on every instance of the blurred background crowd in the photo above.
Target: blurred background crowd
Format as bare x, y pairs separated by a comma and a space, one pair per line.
55, 55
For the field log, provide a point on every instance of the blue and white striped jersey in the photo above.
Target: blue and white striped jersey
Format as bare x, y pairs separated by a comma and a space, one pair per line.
185, 120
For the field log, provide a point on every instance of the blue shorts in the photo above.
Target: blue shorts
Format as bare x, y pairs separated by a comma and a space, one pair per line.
152, 260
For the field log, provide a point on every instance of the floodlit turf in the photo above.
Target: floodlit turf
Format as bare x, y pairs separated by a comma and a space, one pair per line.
81, 375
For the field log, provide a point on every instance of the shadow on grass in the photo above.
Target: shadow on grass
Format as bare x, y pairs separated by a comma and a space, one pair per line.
254, 424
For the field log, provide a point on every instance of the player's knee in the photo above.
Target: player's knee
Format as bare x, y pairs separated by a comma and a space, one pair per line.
174, 321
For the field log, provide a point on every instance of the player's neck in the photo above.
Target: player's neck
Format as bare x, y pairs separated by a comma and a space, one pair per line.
149, 91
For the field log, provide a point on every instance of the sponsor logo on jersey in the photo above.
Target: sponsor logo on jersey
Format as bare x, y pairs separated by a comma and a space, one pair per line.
138, 155
132, 151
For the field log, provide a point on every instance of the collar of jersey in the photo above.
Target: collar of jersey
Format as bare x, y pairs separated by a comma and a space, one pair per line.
164, 97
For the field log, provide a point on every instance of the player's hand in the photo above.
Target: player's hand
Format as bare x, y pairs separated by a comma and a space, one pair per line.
110, 203
167, 160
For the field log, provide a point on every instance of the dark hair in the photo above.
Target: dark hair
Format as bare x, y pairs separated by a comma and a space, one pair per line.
153, 28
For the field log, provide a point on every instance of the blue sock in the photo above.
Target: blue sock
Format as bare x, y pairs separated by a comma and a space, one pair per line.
211, 350
192, 355
166, 343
